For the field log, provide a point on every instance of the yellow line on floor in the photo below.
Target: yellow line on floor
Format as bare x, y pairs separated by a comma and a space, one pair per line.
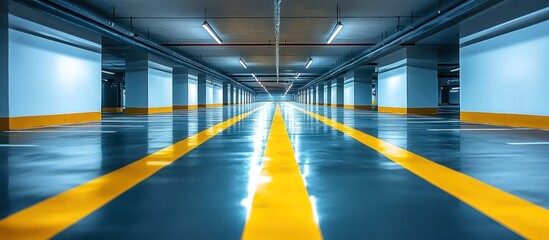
525, 218
281, 208
51, 216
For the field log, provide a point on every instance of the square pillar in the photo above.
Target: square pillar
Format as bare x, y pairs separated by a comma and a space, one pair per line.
226, 94
202, 91
148, 85
313, 95
217, 94
184, 89
408, 82
337, 92
358, 89
327, 93
320, 94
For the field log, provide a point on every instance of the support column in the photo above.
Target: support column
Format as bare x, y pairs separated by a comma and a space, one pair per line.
148, 85
358, 89
328, 93
408, 82
320, 94
233, 95
337, 92
226, 94
313, 95
202, 89
184, 89
217, 94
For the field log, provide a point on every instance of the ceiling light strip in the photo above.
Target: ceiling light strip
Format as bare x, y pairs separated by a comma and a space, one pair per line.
335, 31
309, 62
212, 33
243, 63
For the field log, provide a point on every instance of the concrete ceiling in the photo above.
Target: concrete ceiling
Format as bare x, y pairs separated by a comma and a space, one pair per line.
247, 28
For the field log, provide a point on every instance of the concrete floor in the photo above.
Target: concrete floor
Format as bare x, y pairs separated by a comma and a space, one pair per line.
356, 192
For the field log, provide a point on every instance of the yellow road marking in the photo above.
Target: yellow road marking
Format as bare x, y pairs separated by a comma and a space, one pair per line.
281, 208
525, 218
53, 215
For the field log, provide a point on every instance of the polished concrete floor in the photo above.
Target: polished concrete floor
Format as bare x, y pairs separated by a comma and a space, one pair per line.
355, 191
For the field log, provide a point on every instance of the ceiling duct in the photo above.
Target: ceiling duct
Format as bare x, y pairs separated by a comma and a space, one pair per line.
84, 18
445, 16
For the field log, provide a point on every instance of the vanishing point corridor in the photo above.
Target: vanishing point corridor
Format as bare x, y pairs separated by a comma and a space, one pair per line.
274, 171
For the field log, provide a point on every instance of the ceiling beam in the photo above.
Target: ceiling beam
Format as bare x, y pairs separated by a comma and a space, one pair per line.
267, 44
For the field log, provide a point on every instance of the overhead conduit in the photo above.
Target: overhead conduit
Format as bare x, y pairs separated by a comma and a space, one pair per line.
450, 14
77, 15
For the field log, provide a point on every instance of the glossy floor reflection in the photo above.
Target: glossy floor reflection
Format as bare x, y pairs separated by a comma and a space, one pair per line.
355, 192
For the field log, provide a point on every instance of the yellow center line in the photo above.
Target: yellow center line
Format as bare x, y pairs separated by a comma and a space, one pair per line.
525, 218
53, 215
281, 208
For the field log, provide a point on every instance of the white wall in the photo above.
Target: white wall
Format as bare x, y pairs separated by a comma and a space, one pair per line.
48, 76
363, 93
209, 93
218, 94
160, 88
334, 93
349, 93
422, 87
193, 92
391, 89
508, 73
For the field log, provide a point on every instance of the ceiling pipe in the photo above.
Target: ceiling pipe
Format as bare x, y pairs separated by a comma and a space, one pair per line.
448, 15
268, 45
84, 18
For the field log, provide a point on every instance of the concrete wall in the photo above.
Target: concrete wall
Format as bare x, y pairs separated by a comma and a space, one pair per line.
160, 88
51, 72
193, 92
349, 92
275, 97
209, 93
218, 94
508, 73
422, 87
391, 90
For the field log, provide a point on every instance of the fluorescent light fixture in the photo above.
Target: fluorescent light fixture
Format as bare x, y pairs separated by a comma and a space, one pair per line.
309, 62
253, 75
297, 76
107, 72
455, 70
335, 31
288, 89
243, 64
212, 33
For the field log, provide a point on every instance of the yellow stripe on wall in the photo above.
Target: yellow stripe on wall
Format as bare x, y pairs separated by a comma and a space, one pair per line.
515, 120
14, 123
281, 208
115, 109
525, 218
185, 107
152, 110
396, 110
53, 215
